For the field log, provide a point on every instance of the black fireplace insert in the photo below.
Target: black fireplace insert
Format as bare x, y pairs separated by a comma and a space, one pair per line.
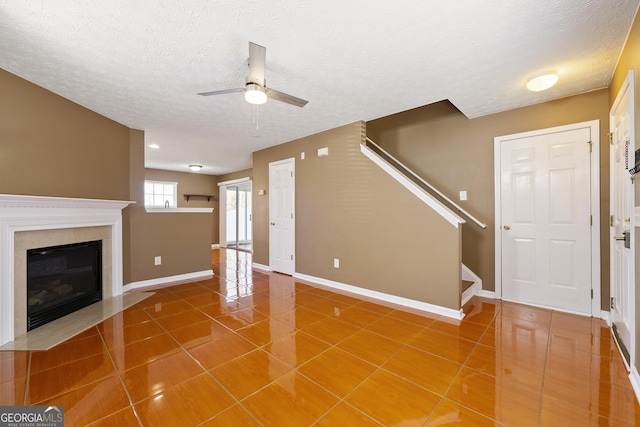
62, 279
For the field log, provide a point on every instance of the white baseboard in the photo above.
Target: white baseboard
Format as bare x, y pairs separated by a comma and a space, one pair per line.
634, 377
468, 294
423, 306
215, 246
486, 294
188, 277
604, 315
261, 267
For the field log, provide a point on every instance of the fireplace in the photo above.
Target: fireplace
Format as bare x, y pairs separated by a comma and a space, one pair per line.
62, 279
28, 222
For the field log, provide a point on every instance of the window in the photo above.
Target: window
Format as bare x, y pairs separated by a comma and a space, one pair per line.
158, 193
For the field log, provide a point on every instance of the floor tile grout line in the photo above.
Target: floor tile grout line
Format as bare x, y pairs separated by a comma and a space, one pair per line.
205, 371
331, 346
378, 368
27, 380
544, 371
74, 388
464, 364
122, 383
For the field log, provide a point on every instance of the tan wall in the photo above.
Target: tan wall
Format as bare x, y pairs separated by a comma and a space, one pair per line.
183, 240
136, 193
235, 175
348, 208
630, 59
455, 153
193, 183
50, 146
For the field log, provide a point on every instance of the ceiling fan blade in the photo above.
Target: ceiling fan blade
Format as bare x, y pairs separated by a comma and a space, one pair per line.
221, 92
257, 59
283, 97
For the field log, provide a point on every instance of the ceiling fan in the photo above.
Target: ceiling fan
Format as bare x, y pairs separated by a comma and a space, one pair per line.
256, 90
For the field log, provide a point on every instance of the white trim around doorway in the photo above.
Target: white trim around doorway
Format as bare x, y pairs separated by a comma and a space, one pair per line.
595, 204
222, 222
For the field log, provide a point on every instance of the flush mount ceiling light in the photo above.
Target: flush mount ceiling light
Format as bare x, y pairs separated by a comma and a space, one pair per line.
195, 168
255, 94
542, 81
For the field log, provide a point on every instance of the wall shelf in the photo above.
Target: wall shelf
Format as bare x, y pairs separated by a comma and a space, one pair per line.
208, 196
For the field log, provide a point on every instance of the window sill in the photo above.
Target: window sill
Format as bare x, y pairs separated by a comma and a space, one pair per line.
178, 210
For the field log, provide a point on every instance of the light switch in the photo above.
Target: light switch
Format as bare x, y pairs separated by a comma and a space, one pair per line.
463, 195
302, 156
323, 151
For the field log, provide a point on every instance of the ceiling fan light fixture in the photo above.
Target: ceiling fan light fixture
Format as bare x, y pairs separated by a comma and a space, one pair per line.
542, 81
195, 168
255, 94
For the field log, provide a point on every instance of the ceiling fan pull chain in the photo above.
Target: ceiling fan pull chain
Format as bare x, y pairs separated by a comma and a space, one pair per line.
256, 117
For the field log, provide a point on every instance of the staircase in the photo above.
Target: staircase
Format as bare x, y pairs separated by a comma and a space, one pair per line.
470, 284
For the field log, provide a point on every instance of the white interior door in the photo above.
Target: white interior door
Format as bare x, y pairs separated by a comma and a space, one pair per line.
281, 216
622, 202
545, 219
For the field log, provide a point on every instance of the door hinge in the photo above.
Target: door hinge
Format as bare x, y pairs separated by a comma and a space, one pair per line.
291, 257
613, 303
291, 215
591, 219
611, 220
590, 146
610, 136
291, 174
591, 293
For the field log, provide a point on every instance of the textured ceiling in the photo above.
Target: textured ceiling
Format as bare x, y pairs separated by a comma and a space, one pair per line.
141, 63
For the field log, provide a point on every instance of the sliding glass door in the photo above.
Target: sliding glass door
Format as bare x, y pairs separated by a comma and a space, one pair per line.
239, 217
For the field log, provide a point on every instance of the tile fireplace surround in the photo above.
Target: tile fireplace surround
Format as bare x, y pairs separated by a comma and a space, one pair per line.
62, 217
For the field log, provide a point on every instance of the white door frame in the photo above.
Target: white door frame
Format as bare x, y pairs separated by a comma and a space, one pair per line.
628, 86
291, 160
594, 125
222, 217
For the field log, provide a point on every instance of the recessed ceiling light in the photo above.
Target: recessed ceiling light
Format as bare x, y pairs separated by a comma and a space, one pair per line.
542, 81
195, 168
154, 146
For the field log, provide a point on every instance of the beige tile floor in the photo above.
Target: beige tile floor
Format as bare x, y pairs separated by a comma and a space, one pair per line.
250, 349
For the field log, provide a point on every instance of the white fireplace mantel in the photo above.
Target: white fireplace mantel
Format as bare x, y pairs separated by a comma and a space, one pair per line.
27, 213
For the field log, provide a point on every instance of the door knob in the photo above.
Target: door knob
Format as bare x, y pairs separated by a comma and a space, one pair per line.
507, 227
273, 223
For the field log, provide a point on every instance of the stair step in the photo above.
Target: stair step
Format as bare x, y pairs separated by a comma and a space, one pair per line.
466, 284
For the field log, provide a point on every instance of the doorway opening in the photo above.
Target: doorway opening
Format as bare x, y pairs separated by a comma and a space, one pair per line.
239, 217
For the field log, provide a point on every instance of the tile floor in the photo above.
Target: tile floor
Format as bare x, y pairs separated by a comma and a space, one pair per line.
250, 349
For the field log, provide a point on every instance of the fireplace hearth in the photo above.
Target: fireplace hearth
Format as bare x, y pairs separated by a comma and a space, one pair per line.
62, 279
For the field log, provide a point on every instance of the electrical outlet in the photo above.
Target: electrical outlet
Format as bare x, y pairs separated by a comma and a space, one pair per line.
336, 263
157, 260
